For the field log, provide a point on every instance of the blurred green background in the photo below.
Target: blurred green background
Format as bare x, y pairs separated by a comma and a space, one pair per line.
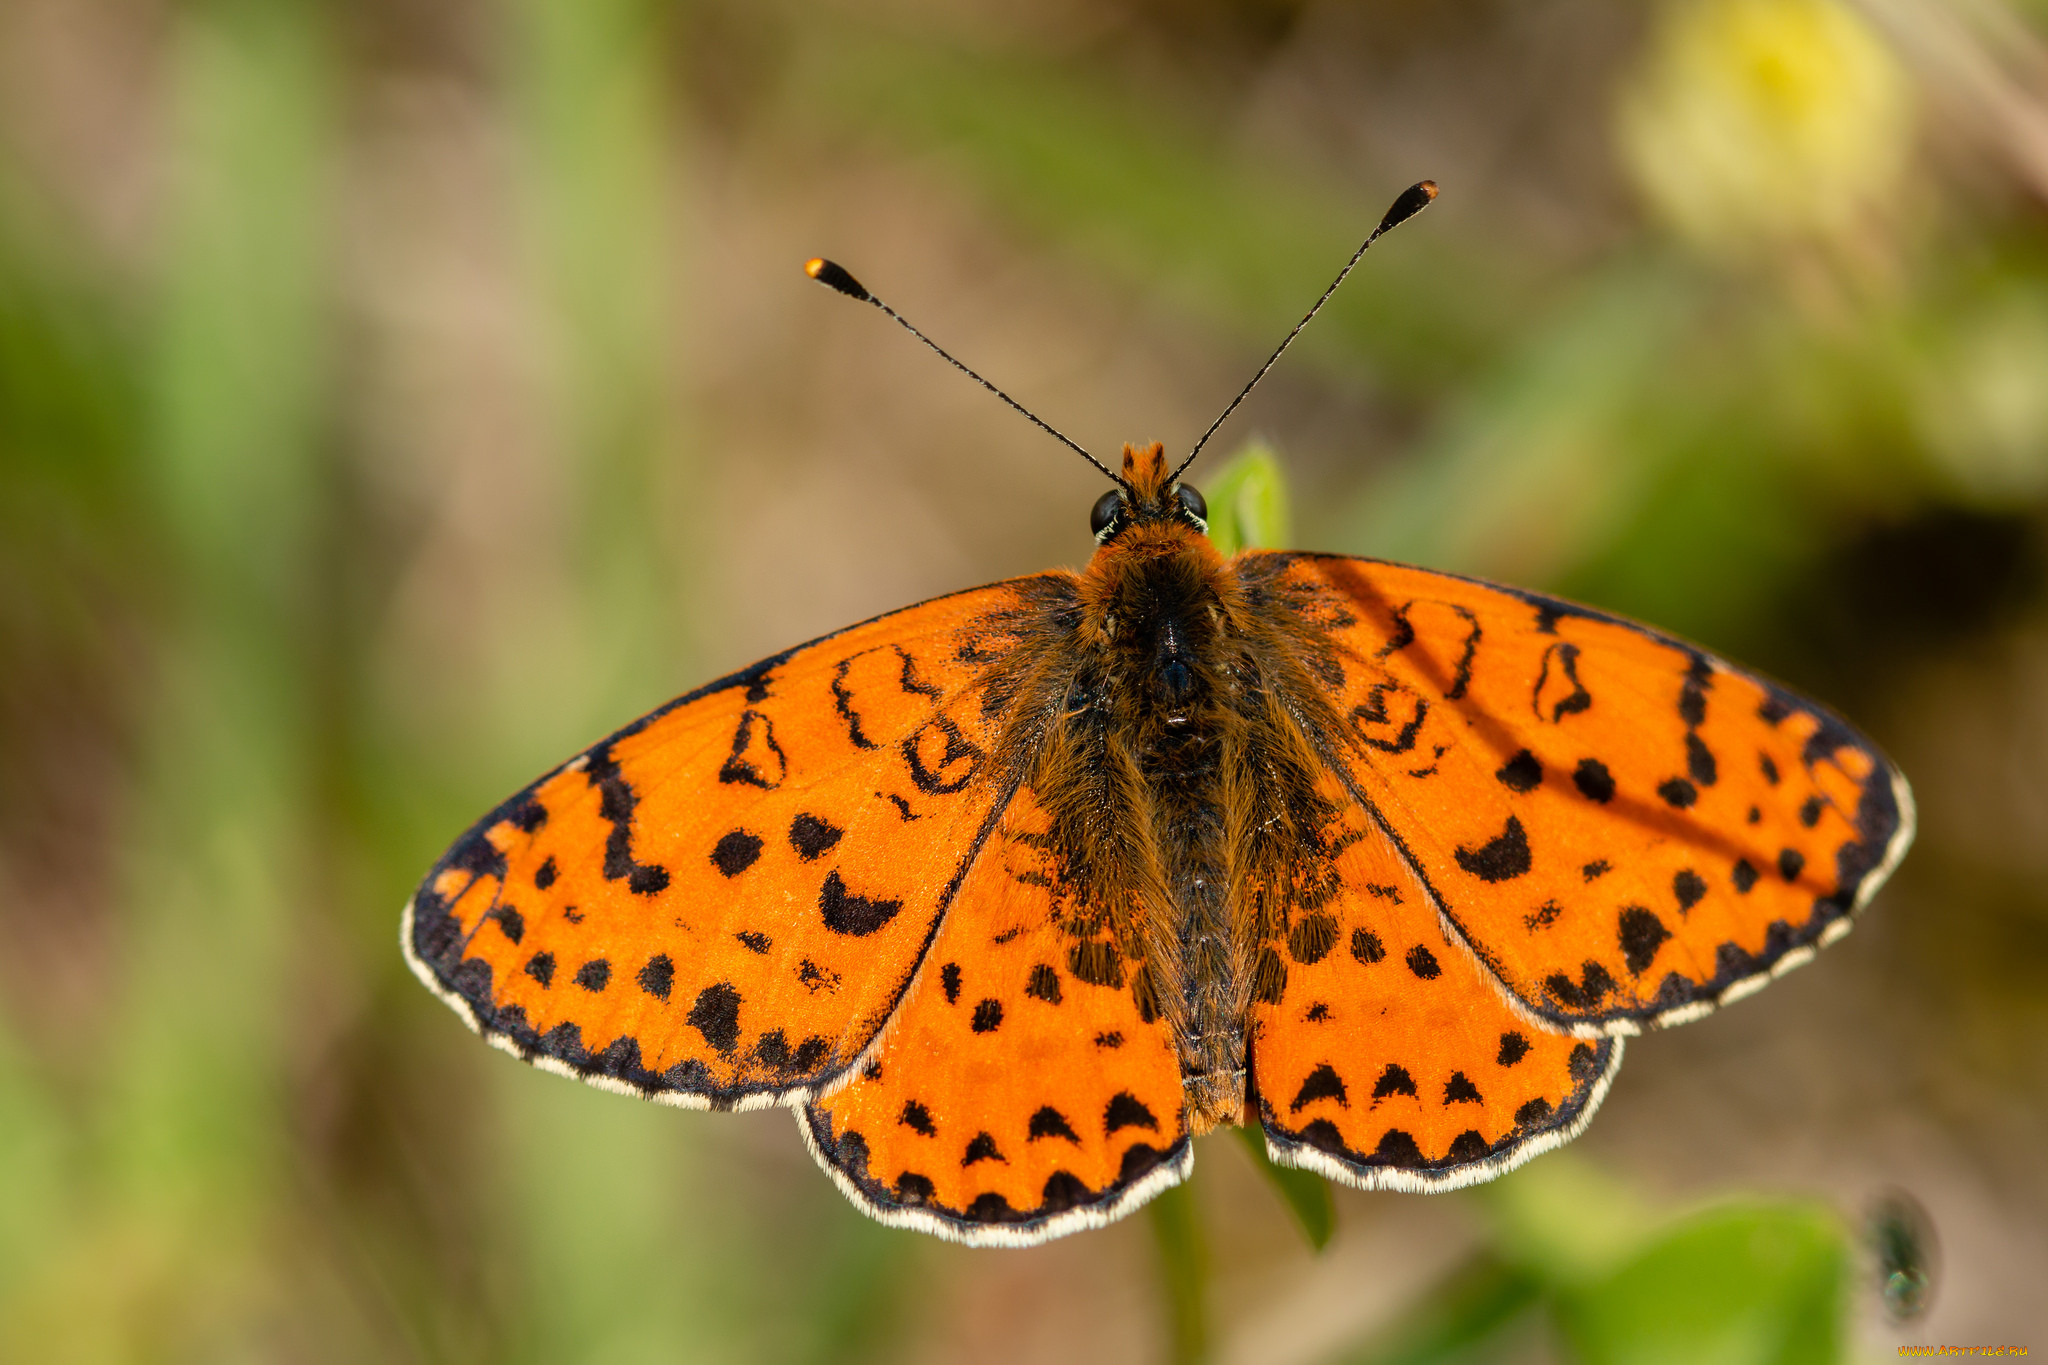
397, 395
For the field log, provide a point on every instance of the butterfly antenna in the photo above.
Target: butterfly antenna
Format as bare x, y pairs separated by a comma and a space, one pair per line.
835, 276
1413, 200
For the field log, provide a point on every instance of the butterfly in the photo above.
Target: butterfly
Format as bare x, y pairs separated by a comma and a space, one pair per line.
1013, 893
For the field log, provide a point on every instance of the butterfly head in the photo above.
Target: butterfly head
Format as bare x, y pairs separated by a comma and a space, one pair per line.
1148, 496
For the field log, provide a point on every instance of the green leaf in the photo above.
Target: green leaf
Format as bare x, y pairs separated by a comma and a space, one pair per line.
1462, 1311
1743, 1284
1248, 505
1564, 1220
1306, 1194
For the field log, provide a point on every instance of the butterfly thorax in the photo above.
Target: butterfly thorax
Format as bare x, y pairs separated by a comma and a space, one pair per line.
1174, 783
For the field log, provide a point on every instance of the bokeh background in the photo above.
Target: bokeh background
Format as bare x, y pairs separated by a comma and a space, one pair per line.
397, 395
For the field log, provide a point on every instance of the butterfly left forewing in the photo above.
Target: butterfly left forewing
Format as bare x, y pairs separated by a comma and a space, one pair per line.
1625, 829
722, 903
1019, 1093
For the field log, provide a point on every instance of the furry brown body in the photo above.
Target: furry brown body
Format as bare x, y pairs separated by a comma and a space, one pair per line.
1167, 716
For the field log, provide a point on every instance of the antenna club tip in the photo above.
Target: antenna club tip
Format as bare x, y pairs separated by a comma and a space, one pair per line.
835, 276
1413, 200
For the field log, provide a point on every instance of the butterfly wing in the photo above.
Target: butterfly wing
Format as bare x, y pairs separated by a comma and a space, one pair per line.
1625, 830
1390, 1059
722, 904
1018, 1094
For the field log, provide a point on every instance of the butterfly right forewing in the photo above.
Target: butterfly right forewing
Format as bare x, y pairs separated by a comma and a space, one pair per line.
1624, 829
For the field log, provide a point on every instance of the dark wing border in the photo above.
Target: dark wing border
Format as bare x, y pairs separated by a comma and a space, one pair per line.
1137, 1183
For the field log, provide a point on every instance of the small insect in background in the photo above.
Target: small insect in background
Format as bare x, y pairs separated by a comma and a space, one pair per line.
1905, 1253
1014, 893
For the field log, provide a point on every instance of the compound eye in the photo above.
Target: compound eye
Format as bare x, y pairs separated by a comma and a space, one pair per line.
1193, 503
1106, 514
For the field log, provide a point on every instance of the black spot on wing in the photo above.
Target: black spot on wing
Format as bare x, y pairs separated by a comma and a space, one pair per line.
541, 967
1366, 946
1468, 1146
1595, 984
735, 852
1423, 963
1593, 780
1699, 761
616, 803
1398, 1148
1744, 875
1641, 934
544, 876
1126, 1110
1503, 858
1791, 862
756, 759
594, 975
849, 914
1044, 984
842, 702
754, 942
1323, 1083
811, 836
1460, 1090
1391, 731
982, 1147
988, 1016
1513, 1047
657, 976
1521, 773
1678, 793
1558, 692
1689, 887
1049, 1122
716, 1015
1395, 1080
1311, 938
917, 1119
949, 981
941, 759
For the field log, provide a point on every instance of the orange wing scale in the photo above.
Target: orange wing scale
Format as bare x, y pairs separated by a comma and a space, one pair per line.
1010, 1100
718, 906
1625, 830
1393, 1060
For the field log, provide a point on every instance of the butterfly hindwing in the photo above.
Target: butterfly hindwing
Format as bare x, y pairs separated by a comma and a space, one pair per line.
723, 903
1013, 1098
1625, 829
1390, 1058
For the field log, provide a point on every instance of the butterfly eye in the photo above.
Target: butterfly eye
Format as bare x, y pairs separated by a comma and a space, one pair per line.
1103, 520
1192, 503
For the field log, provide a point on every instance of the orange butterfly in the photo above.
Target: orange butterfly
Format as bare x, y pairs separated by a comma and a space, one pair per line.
1012, 894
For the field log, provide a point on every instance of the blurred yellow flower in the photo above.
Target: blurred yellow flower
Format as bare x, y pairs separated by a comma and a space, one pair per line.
1751, 122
